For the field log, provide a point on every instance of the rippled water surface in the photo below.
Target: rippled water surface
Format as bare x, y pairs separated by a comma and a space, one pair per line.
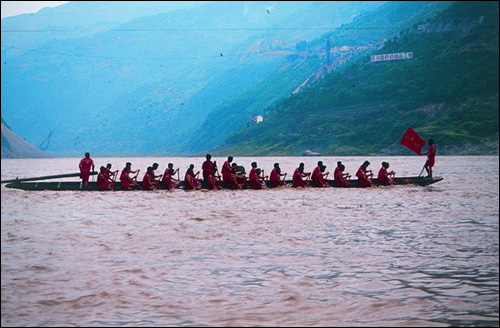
387, 256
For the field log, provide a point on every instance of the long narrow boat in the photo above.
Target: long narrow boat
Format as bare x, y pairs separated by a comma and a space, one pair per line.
92, 186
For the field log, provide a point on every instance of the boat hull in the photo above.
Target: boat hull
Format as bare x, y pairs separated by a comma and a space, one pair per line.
92, 186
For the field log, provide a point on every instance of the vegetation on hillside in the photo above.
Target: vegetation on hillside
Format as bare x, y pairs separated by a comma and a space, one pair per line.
448, 91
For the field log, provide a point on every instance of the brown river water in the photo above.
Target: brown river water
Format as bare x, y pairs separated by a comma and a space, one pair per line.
383, 256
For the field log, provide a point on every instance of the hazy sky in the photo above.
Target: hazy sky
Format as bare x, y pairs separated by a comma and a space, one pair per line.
13, 8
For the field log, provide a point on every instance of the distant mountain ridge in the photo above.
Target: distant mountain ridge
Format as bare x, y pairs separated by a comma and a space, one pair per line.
126, 87
185, 78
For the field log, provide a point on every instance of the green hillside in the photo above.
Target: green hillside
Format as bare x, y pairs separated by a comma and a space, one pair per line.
260, 98
448, 91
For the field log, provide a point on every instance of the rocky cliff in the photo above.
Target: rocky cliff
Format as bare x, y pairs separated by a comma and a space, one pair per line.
13, 146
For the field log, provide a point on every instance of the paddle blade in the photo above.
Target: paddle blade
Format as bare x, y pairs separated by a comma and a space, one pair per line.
412, 141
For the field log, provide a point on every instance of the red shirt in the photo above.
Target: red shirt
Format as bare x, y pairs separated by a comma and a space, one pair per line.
226, 172
315, 173
361, 174
124, 182
212, 183
167, 180
341, 181
339, 178
190, 181
431, 152
320, 181
103, 182
337, 170
297, 179
275, 178
252, 173
233, 181
318, 178
431, 155
147, 181
255, 182
86, 164
207, 168
382, 176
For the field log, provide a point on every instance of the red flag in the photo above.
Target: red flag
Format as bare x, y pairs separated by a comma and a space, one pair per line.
412, 141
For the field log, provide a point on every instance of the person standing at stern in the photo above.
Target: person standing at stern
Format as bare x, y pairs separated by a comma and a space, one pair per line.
85, 164
431, 157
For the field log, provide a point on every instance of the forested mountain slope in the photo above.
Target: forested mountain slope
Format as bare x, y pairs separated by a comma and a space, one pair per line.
448, 91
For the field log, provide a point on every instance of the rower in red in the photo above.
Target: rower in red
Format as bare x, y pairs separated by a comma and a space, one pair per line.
213, 181
85, 165
126, 181
104, 182
237, 179
155, 167
112, 175
384, 177
341, 178
168, 182
253, 171
149, 182
257, 181
316, 172
318, 175
276, 175
191, 181
364, 175
226, 170
298, 175
337, 169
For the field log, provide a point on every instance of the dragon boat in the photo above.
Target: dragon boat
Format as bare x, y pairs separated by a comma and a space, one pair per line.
34, 184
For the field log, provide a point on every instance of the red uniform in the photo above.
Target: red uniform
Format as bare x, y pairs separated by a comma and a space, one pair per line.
207, 168
241, 180
233, 181
318, 178
362, 179
147, 181
103, 182
383, 178
252, 173
431, 155
256, 182
85, 165
337, 170
124, 181
297, 179
226, 172
339, 179
212, 183
190, 181
275, 178
316, 172
167, 180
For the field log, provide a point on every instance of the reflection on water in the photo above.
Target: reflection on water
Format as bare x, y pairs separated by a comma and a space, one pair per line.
388, 256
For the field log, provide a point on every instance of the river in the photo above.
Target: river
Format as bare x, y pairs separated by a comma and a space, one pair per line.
382, 256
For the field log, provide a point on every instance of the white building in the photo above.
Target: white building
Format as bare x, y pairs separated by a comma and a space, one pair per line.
257, 119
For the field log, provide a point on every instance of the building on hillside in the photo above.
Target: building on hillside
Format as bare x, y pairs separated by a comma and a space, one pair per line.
256, 119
